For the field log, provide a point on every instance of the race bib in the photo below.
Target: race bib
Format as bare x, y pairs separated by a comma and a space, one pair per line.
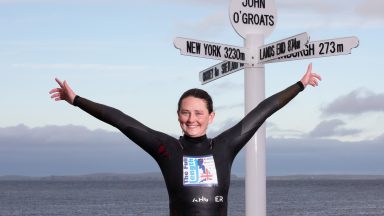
199, 171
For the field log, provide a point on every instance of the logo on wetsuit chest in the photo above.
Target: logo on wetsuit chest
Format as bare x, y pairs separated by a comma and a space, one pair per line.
201, 199
199, 171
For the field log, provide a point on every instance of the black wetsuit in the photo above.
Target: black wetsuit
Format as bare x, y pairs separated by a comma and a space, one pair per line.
196, 170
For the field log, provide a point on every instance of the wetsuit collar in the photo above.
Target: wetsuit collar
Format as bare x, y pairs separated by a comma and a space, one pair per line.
195, 142
195, 139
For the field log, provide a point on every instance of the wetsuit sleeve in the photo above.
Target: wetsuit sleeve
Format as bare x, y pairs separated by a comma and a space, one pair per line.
142, 135
240, 134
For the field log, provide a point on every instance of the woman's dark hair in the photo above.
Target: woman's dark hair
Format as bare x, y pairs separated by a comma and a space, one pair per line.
197, 93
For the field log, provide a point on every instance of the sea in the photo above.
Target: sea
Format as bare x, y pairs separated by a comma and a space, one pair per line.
285, 197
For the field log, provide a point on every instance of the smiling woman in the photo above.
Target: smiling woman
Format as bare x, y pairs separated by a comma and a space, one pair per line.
196, 169
195, 112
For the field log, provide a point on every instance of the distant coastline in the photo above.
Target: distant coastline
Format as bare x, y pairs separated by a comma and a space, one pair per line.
155, 176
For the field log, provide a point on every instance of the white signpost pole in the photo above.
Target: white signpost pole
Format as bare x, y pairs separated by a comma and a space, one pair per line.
253, 20
255, 159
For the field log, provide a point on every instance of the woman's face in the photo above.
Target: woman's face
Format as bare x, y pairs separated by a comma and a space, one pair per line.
194, 116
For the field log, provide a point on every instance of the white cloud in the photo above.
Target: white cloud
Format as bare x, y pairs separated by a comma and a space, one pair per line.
220, 87
357, 102
331, 128
274, 131
317, 6
52, 2
115, 2
67, 150
56, 150
371, 8
212, 132
364, 8
344, 14
310, 15
229, 107
324, 156
81, 67
213, 24
198, 2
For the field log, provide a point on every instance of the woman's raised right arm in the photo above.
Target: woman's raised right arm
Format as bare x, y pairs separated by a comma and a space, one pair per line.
102, 112
133, 129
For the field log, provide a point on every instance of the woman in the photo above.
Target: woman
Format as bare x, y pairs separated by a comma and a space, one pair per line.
196, 169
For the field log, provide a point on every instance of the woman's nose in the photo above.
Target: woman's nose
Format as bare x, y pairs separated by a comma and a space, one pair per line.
191, 118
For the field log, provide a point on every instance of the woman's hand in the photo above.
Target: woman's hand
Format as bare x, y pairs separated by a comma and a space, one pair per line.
63, 93
310, 78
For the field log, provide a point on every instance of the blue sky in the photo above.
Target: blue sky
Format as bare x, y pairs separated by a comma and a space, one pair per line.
121, 53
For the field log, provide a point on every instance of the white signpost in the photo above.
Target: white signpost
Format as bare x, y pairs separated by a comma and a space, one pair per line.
324, 48
253, 17
283, 47
219, 70
253, 20
267, 53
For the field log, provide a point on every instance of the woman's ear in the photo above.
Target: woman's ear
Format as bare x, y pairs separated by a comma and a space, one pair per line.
211, 117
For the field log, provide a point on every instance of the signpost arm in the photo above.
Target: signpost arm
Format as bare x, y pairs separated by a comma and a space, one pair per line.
255, 164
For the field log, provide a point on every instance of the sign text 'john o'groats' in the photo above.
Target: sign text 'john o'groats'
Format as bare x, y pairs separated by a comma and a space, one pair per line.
253, 17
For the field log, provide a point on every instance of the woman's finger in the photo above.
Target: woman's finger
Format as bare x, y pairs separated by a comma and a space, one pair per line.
59, 82
316, 75
56, 95
54, 90
309, 69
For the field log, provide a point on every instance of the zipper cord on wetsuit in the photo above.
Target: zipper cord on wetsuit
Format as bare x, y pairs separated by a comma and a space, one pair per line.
181, 145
